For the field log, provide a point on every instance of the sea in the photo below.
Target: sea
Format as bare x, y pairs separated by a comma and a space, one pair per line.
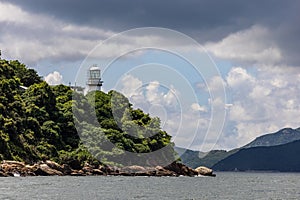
226, 185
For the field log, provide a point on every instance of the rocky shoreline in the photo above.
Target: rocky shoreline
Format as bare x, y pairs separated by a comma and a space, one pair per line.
51, 168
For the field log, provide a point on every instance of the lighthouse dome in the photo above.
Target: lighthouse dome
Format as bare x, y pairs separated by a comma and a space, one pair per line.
94, 68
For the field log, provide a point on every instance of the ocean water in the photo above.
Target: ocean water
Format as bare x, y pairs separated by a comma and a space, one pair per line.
225, 186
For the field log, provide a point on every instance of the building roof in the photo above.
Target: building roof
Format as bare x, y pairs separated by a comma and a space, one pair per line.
94, 67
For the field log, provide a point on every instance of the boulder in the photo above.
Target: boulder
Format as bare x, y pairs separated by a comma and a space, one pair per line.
87, 169
13, 167
145, 173
133, 169
160, 171
54, 165
181, 169
205, 171
14, 163
110, 170
45, 170
67, 170
75, 164
3, 174
78, 173
97, 172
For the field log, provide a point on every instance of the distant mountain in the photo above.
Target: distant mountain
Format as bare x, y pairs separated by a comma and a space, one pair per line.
195, 159
214, 157
189, 157
283, 158
283, 136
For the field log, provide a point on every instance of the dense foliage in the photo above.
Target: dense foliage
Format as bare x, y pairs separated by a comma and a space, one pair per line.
38, 122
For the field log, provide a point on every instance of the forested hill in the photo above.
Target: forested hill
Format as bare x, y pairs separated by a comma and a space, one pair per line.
37, 123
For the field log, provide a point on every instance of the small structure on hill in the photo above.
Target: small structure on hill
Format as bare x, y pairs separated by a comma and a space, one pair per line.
94, 81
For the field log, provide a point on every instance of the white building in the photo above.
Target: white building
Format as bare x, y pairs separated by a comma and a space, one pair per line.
94, 81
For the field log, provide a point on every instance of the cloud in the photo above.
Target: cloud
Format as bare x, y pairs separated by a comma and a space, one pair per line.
54, 78
197, 107
46, 31
262, 34
252, 45
188, 122
170, 13
239, 77
261, 104
203, 20
131, 85
221, 23
36, 37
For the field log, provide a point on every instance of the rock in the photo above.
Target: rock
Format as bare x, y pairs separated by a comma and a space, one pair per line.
87, 169
155, 171
66, 169
159, 168
205, 171
14, 163
145, 173
50, 168
160, 171
110, 170
45, 170
103, 169
181, 169
97, 172
3, 174
133, 169
54, 165
10, 174
78, 173
31, 167
13, 167
75, 164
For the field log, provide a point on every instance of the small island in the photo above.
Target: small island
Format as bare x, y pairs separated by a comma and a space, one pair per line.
47, 130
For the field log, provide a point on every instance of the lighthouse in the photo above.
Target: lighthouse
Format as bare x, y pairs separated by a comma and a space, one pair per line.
94, 82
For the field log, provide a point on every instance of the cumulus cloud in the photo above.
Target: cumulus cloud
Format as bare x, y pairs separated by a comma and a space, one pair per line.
239, 77
131, 85
190, 123
54, 78
197, 107
264, 103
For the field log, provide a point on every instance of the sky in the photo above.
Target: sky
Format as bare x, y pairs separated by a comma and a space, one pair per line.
217, 73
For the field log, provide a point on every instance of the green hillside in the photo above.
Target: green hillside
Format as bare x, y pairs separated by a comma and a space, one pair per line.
37, 122
195, 159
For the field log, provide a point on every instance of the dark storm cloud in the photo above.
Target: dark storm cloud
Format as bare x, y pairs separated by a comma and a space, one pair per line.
203, 20
193, 15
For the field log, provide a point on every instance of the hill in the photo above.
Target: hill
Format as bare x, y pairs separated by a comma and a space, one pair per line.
282, 136
189, 157
283, 158
195, 159
37, 122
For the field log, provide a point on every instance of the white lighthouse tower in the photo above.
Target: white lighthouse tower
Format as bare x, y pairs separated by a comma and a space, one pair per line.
94, 82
